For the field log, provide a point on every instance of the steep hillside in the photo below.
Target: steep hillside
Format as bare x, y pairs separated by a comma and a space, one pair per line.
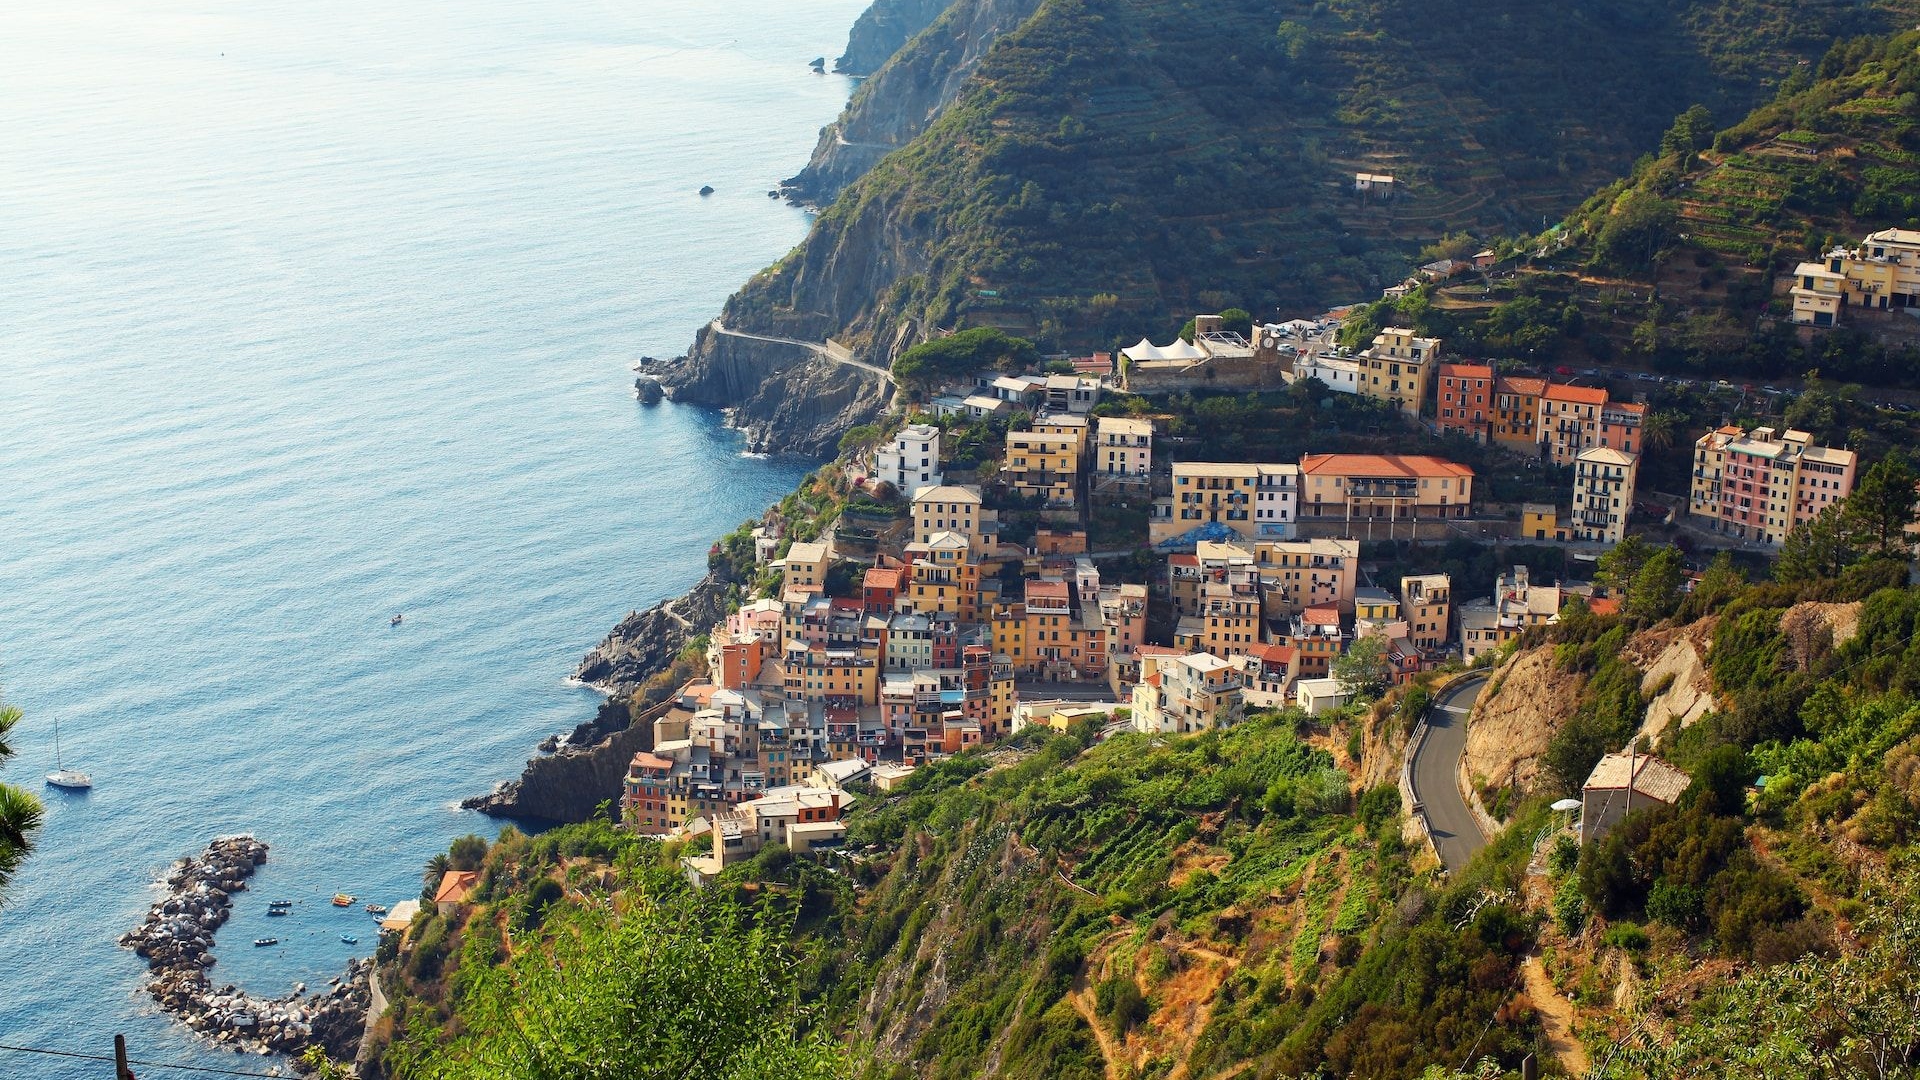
908, 92
1682, 265
882, 29
1112, 165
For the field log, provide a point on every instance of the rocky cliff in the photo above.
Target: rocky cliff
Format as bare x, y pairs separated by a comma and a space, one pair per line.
786, 399
910, 88
882, 29
585, 769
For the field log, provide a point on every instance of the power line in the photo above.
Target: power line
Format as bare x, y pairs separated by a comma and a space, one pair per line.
136, 1061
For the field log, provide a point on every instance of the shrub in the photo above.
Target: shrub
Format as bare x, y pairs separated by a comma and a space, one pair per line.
1627, 936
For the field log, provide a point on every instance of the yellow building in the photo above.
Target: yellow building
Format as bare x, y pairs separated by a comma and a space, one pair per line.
1817, 294
1299, 574
1254, 499
1541, 521
1398, 368
1516, 411
1045, 464
951, 508
806, 565
943, 578
1882, 274
847, 677
1386, 487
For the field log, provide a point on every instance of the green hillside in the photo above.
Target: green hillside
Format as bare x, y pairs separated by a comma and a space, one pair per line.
1677, 266
1113, 162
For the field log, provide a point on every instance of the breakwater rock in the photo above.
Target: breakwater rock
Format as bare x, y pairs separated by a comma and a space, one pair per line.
646, 642
176, 940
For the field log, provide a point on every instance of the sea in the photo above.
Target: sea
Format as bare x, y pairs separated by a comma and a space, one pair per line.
314, 312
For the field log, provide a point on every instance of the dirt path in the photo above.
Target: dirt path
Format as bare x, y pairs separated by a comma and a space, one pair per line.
1112, 1052
1556, 1017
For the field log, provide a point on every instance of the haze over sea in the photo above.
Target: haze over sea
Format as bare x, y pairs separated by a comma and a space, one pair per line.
316, 311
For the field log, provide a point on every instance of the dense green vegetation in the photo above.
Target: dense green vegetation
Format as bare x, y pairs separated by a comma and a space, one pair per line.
1117, 165
958, 356
20, 812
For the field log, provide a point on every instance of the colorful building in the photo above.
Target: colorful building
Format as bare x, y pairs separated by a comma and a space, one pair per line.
1758, 485
1466, 404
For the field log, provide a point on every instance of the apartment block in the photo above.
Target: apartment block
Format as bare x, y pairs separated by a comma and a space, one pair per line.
1516, 604
1252, 499
1516, 412
1123, 447
953, 508
1881, 274
1603, 482
1044, 464
1466, 401
1383, 487
910, 461
1426, 603
1758, 485
1397, 369
1184, 694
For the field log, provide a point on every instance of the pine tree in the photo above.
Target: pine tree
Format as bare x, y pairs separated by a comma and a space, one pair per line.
1815, 549
1881, 507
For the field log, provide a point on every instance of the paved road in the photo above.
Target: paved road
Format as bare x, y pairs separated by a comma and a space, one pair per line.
1456, 836
818, 348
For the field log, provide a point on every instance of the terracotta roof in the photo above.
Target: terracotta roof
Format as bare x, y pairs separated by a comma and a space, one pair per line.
1583, 395
1381, 465
1520, 384
1466, 371
455, 885
645, 760
1652, 777
1273, 654
1603, 605
1321, 613
888, 578
1183, 560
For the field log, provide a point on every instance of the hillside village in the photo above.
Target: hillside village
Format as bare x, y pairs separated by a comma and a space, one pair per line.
1086, 567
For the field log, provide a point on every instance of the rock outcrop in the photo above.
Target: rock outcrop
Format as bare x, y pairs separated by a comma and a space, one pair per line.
785, 399
586, 768
1527, 701
176, 940
882, 29
911, 86
1677, 685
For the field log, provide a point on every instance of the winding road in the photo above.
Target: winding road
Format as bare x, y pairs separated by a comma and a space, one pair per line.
818, 348
1456, 835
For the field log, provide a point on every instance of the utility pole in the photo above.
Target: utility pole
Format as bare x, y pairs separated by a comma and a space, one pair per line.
121, 1070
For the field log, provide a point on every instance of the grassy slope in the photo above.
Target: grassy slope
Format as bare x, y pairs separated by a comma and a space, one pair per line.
1120, 158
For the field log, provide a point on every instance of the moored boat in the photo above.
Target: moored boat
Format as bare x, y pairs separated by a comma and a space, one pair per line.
342, 900
376, 909
263, 942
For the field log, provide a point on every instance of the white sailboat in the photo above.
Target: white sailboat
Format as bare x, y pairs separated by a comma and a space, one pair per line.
61, 776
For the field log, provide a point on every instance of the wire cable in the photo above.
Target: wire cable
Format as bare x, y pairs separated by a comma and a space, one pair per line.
135, 1061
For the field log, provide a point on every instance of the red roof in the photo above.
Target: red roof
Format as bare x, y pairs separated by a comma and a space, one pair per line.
1274, 654
1466, 371
644, 760
1520, 384
1603, 605
454, 886
888, 578
1381, 465
1038, 589
1321, 614
1582, 395
1183, 560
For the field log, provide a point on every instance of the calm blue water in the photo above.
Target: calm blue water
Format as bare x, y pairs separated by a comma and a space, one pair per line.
315, 311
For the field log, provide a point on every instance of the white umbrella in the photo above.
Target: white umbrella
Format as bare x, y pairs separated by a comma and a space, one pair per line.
1566, 804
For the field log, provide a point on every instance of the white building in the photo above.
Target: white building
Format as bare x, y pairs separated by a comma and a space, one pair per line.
1316, 697
1276, 497
1123, 446
1340, 374
911, 460
1184, 694
1603, 480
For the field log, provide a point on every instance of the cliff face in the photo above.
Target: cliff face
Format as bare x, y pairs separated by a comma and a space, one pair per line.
587, 768
911, 87
786, 399
882, 29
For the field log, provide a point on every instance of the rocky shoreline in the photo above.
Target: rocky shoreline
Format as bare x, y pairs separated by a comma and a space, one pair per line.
176, 940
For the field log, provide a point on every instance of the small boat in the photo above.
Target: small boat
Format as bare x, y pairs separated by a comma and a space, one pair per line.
61, 776
376, 909
349, 939
263, 942
280, 903
396, 620
277, 912
341, 899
